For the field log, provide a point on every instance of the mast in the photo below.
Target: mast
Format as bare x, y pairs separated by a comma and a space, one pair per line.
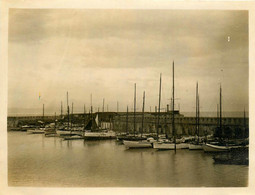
198, 118
159, 106
173, 127
156, 110
67, 111
61, 110
196, 109
127, 122
244, 124
55, 120
218, 124
91, 103
72, 117
103, 106
117, 106
244, 120
197, 113
84, 113
220, 112
143, 112
43, 113
134, 108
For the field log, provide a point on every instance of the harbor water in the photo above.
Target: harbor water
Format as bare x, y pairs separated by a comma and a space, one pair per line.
36, 160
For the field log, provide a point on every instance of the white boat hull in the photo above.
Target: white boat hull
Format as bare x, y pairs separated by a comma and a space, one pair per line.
215, 148
195, 147
137, 144
99, 135
59, 132
170, 146
36, 131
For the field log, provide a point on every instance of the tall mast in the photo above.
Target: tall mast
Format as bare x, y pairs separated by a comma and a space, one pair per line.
156, 110
198, 118
84, 113
244, 124
197, 113
43, 113
103, 106
91, 103
134, 108
67, 111
196, 108
173, 127
143, 112
220, 111
127, 122
218, 124
244, 120
159, 106
55, 120
72, 117
117, 106
61, 110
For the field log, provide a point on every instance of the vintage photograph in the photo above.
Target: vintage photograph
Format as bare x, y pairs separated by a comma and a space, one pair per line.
128, 98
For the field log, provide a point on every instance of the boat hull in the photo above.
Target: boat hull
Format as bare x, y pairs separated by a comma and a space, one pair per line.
68, 133
137, 144
36, 131
130, 138
170, 146
215, 148
99, 135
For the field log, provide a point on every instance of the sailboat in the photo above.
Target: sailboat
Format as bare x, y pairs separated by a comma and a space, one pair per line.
140, 143
66, 131
92, 131
75, 133
51, 132
38, 130
196, 145
171, 144
130, 137
122, 136
217, 147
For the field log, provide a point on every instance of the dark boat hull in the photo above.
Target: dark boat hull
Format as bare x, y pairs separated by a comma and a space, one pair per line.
128, 138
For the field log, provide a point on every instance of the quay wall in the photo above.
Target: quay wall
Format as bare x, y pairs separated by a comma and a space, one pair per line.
183, 125
120, 123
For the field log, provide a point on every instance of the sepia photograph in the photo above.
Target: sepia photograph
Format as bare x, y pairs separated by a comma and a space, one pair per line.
128, 98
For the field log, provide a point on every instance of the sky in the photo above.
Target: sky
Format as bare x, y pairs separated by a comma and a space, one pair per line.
104, 52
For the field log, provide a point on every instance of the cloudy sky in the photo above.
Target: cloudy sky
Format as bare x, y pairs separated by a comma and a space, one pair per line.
104, 52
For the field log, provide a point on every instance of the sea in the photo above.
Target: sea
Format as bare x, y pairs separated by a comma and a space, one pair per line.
39, 161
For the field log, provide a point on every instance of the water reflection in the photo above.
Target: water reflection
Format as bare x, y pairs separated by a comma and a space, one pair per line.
39, 161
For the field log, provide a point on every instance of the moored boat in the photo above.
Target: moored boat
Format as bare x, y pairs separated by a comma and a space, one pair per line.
99, 135
73, 137
215, 148
170, 145
36, 131
196, 145
139, 144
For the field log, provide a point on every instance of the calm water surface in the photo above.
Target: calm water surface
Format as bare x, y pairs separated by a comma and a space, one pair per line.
35, 160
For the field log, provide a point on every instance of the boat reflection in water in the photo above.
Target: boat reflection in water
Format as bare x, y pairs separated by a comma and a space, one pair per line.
236, 156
